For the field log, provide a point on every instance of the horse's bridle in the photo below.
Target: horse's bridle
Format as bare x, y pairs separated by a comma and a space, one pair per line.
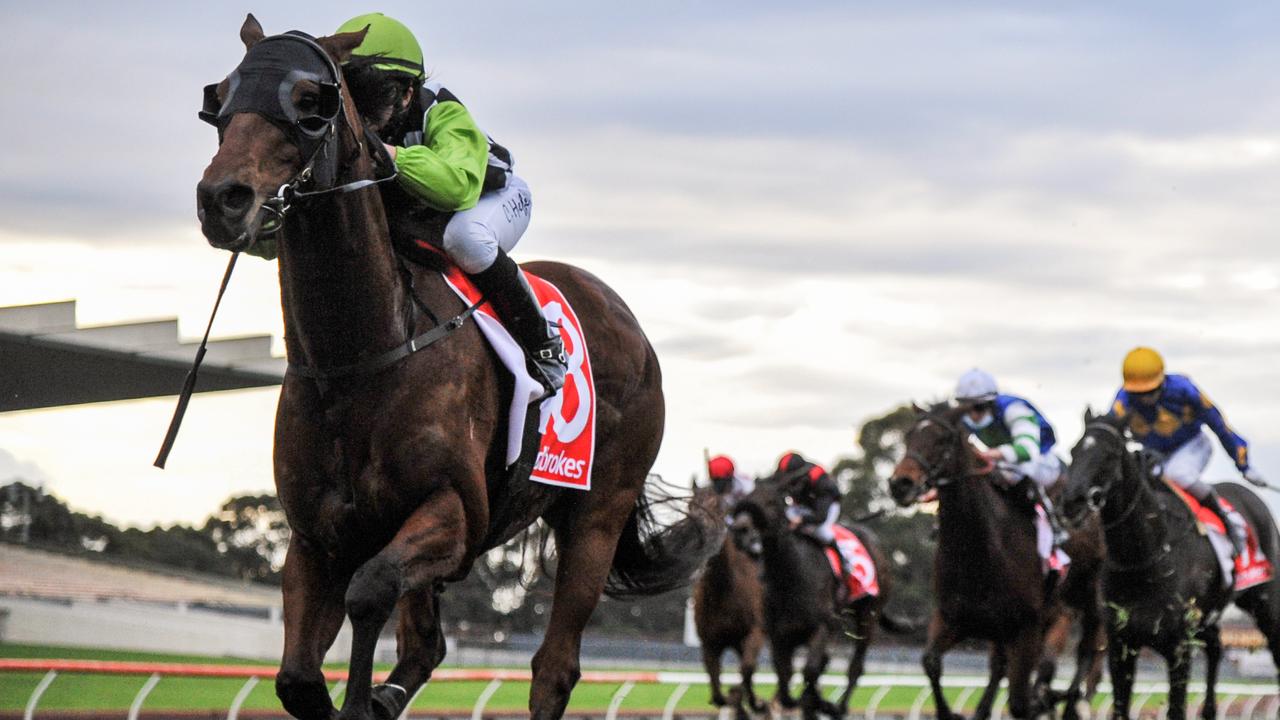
1097, 500
934, 472
314, 134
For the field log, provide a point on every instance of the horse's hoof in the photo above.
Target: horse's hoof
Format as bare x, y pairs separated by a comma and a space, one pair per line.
719, 701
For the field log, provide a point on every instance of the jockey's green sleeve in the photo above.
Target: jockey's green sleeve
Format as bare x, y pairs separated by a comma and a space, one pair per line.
447, 171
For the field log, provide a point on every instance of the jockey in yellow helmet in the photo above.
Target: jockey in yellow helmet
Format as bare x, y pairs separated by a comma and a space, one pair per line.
1168, 413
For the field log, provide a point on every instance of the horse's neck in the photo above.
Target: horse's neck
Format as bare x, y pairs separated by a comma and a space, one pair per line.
1133, 520
341, 291
719, 572
784, 562
967, 517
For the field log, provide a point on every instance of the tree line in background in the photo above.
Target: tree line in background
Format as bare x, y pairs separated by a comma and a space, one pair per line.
506, 592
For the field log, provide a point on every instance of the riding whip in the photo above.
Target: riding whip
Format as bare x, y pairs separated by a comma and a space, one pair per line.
189, 385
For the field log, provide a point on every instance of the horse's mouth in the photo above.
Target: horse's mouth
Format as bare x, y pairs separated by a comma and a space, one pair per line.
235, 237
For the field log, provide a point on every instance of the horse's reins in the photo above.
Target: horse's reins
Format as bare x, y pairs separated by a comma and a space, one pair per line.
1156, 557
279, 207
934, 472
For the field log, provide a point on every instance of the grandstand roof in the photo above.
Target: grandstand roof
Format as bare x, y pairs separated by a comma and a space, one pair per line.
25, 572
49, 360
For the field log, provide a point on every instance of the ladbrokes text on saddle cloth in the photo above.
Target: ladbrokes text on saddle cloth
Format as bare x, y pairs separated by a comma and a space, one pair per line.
568, 419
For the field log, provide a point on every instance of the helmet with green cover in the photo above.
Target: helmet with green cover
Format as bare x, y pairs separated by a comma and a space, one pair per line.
388, 40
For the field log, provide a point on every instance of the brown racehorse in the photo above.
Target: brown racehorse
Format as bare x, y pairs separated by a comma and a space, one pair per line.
987, 578
803, 603
728, 612
390, 467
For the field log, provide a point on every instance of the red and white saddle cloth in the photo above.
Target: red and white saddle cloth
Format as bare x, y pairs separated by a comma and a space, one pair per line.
1252, 567
862, 580
1051, 557
568, 421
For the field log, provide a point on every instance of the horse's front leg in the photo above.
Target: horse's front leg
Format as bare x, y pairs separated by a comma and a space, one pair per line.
816, 658
711, 661
1024, 653
313, 614
1212, 638
429, 545
1179, 661
1091, 639
783, 668
941, 639
749, 658
863, 629
997, 665
1121, 661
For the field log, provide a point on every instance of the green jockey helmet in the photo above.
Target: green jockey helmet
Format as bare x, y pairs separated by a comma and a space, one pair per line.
390, 41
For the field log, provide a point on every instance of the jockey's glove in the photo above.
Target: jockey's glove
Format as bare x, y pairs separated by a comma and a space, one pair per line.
1254, 477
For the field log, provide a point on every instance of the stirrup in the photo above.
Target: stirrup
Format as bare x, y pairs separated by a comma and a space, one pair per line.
548, 365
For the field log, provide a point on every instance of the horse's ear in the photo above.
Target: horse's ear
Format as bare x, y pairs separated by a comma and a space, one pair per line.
1088, 414
341, 45
251, 32
915, 407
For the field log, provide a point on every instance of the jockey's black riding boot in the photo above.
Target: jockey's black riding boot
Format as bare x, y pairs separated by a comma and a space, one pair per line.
1233, 533
512, 299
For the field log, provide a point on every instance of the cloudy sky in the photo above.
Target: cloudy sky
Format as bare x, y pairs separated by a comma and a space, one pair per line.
817, 212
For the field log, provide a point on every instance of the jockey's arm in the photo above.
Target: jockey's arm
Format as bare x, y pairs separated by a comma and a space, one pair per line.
1025, 430
1235, 445
448, 172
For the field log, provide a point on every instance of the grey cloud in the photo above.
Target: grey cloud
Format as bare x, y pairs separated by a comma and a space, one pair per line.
700, 346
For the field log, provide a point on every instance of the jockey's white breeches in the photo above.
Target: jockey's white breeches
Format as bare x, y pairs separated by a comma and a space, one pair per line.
1185, 465
473, 236
826, 531
1044, 470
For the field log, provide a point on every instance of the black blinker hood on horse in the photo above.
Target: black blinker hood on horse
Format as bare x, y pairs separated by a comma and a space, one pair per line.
263, 83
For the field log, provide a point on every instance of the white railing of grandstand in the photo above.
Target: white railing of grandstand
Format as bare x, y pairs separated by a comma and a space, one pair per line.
1237, 701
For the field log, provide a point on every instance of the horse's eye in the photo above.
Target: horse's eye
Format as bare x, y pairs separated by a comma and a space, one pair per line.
308, 103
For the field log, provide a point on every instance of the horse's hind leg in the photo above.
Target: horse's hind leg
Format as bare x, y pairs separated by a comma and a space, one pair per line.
313, 615
420, 648
585, 544
428, 546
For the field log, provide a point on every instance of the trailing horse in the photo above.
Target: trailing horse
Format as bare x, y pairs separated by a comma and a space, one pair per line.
987, 580
803, 601
1162, 581
391, 429
728, 613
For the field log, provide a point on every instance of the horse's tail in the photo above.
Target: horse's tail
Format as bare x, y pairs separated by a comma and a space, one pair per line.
656, 555
897, 625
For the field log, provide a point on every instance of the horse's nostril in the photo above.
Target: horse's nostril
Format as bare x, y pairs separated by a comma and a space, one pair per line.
235, 198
